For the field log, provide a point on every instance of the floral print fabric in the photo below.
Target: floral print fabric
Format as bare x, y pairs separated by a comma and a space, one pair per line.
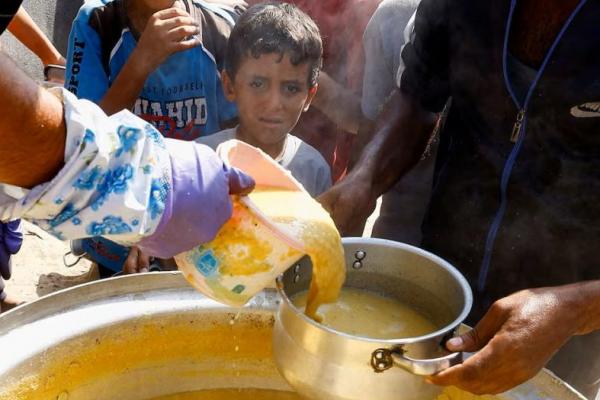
115, 182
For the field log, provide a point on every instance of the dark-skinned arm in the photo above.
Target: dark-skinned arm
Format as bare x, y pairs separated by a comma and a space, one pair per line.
32, 129
402, 131
519, 334
339, 104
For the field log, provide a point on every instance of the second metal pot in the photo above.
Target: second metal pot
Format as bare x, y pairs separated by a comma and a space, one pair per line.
321, 363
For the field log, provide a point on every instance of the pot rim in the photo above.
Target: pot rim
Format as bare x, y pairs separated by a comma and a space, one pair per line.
466, 290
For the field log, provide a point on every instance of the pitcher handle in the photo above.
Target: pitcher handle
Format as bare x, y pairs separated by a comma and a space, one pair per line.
384, 359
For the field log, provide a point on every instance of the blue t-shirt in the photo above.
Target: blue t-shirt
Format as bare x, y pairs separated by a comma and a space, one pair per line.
183, 97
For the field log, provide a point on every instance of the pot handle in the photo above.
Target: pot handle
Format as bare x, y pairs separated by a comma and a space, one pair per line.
384, 359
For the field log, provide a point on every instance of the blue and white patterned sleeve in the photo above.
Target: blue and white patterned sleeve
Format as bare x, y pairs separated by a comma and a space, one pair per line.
115, 182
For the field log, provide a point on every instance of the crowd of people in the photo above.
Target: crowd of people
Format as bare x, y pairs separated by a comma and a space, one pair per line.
474, 120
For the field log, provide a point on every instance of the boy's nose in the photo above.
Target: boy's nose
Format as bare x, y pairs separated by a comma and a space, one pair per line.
275, 100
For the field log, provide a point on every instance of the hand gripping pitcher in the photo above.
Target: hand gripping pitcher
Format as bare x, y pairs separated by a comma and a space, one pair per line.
249, 251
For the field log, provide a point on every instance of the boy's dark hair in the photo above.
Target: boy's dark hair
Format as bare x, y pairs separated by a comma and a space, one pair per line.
273, 27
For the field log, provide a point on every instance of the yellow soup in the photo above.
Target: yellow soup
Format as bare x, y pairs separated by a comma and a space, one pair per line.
450, 393
314, 228
231, 394
363, 313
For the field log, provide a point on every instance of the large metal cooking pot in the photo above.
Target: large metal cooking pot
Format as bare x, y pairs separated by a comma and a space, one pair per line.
134, 338
137, 337
322, 363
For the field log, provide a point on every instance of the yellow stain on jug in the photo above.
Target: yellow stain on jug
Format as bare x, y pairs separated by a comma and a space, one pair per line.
231, 243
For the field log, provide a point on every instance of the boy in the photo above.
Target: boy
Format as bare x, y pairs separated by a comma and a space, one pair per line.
272, 65
159, 58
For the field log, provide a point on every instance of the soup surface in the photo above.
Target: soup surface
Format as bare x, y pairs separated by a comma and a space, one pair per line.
363, 313
233, 394
313, 227
450, 393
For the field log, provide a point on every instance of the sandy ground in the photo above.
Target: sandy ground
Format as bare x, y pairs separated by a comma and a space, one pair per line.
38, 269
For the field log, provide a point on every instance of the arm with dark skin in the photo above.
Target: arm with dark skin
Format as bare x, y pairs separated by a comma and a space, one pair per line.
519, 334
402, 132
341, 105
32, 129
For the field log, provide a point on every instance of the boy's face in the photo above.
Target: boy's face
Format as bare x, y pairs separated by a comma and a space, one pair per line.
270, 93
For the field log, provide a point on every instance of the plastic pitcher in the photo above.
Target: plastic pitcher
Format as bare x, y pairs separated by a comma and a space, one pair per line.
249, 251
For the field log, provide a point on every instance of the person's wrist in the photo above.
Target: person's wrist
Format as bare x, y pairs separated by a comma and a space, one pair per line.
364, 177
197, 177
586, 306
143, 60
52, 56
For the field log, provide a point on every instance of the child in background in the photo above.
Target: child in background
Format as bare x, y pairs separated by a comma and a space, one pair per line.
341, 23
162, 60
159, 58
272, 65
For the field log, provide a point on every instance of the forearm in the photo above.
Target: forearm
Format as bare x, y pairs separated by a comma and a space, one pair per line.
584, 297
28, 33
363, 137
115, 180
32, 129
340, 105
124, 91
403, 130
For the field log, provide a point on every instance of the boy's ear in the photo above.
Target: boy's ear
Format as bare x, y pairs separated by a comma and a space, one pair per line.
312, 92
228, 88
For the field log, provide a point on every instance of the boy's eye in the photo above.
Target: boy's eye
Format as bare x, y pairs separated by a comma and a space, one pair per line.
292, 88
256, 84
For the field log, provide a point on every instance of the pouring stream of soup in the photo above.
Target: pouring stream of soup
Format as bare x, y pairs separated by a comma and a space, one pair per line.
303, 216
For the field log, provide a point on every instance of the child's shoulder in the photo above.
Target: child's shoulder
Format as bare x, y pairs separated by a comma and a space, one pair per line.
228, 10
103, 15
217, 21
90, 6
307, 165
216, 139
306, 152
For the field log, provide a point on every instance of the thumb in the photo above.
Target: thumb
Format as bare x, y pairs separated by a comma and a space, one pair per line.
478, 337
466, 342
239, 182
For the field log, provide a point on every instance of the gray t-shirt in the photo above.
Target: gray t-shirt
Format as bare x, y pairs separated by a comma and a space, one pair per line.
383, 41
305, 163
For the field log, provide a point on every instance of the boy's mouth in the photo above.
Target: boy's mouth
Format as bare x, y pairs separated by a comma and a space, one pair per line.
271, 121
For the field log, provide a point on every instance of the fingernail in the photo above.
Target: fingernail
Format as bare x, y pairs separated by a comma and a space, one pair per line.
455, 342
144, 270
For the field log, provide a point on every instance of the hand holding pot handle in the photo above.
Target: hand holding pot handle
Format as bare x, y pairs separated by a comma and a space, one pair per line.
383, 359
515, 339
